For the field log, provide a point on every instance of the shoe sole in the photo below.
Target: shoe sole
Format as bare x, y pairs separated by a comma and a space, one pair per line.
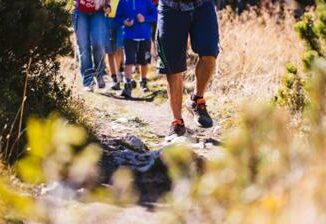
195, 120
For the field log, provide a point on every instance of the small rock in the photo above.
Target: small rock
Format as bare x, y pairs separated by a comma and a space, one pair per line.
122, 120
134, 143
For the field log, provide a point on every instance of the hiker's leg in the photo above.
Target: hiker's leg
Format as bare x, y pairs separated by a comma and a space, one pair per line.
144, 57
175, 91
204, 40
112, 63
204, 71
128, 71
143, 71
98, 39
130, 57
119, 58
111, 46
82, 30
119, 46
173, 27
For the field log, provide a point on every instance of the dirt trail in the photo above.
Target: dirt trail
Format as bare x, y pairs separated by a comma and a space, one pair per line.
147, 117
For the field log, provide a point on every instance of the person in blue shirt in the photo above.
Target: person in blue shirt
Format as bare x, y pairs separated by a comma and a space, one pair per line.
137, 17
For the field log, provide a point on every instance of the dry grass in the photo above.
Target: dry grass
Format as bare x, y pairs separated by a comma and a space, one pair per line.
254, 52
267, 174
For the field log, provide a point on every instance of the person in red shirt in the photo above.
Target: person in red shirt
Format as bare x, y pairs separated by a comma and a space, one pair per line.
90, 29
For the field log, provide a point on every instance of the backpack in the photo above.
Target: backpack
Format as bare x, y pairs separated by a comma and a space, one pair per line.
90, 6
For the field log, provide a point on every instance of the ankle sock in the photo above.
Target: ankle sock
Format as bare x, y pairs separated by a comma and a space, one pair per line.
178, 121
195, 98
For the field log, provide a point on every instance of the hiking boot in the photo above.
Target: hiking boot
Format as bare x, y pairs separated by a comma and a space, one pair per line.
115, 83
100, 81
133, 84
177, 129
198, 109
143, 85
127, 90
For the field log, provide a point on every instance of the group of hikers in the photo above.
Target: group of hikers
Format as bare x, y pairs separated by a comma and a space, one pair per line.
123, 31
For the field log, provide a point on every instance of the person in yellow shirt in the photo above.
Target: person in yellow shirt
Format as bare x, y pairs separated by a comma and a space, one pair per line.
114, 46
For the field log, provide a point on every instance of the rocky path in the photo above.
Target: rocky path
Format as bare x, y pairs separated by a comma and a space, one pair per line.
132, 134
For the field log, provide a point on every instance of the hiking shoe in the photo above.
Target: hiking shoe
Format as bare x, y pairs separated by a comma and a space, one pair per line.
199, 111
133, 84
177, 129
100, 81
127, 90
115, 85
89, 88
143, 85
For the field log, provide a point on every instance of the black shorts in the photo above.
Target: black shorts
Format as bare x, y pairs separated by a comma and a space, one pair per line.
173, 29
137, 52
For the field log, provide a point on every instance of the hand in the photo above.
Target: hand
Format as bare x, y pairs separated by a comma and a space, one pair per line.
107, 9
128, 22
140, 18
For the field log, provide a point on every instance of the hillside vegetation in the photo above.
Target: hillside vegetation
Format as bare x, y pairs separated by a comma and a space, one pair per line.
268, 99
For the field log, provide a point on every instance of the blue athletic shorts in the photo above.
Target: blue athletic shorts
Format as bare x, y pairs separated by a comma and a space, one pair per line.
137, 52
174, 28
115, 36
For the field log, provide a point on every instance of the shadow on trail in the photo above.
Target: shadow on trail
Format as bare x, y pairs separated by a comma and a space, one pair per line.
151, 178
151, 174
148, 98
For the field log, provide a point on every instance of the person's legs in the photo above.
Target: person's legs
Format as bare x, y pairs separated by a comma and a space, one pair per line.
111, 47
173, 27
114, 71
128, 71
82, 30
112, 63
175, 92
143, 71
130, 60
119, 58
119, 46
143, 59
98, 39
204, 71
204, 40
111, 50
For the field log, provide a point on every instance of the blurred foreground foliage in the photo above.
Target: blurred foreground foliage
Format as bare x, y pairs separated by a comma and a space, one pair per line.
33, 33
312, 30
268, 171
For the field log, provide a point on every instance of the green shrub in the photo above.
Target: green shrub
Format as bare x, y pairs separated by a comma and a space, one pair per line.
33, 33
312, 30
292, 93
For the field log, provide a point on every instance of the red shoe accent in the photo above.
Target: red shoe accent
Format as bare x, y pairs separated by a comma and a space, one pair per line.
178, 122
